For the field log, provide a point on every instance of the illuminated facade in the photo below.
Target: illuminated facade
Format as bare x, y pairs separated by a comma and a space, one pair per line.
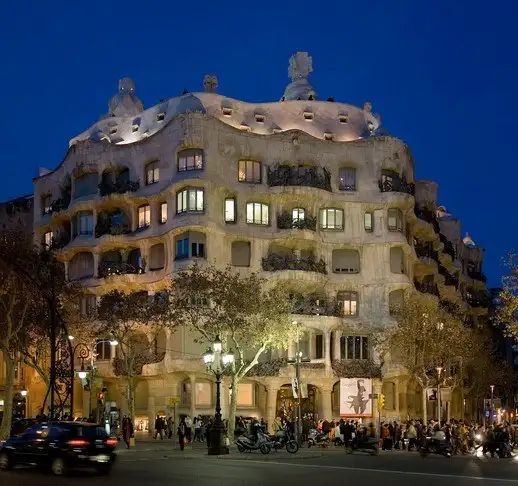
313, 193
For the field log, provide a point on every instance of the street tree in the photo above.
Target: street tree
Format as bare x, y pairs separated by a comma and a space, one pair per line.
507, 311
432, 343
250, 317
134, 320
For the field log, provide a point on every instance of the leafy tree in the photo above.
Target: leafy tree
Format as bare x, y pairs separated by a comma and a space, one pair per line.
248, 315
134, 321
507, 312
427, 336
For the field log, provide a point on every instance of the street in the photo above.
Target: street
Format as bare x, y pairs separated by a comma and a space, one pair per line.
158, 464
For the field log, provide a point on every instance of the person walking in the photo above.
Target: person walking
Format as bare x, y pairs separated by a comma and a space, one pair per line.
127, 430
182, 429
159, 428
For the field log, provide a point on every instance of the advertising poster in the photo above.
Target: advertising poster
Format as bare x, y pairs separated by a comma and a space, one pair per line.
354, 397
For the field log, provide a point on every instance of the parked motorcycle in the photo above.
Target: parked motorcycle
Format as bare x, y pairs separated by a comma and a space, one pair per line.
363, 444
317, 439
434, 446
284, 438
249, 444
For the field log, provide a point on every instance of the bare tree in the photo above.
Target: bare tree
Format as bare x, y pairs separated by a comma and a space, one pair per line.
249, 316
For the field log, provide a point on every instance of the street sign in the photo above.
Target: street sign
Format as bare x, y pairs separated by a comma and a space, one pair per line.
295, 387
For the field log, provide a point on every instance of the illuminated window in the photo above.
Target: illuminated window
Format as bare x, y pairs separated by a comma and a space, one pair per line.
189, 200
190, 160
347, 179
144, 216
348, 302
257, 213
245, 395
230, 210
47, 240
103, 350
249, 171
368, 222
395, 220
298, 214
152, 173
163, 213
331, 218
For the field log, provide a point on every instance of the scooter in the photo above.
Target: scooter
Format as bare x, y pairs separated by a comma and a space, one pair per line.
249, 444
434, 446
284, 438
314, 438
363, 444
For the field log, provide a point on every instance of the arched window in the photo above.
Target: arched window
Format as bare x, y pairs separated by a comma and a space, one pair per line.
157, 257
81, 266
191, 159
86, 184
152, 173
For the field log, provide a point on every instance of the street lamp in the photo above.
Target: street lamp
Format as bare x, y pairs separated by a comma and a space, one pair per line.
439, 370
216, 361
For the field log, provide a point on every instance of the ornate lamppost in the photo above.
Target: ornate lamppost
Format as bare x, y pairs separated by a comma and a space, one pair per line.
216, 361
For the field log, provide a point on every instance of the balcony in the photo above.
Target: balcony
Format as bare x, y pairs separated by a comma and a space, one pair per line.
315, 306
318, 177
429, 216
426, 288
61, 203
477, 276
118, 187
108, 269
396, 184
275, 262
426, 251
286, 221
449, 249
449, 279
112, 224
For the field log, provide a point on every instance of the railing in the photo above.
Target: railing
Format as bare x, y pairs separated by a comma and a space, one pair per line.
426, 288
118, 187
107, 269
429, 216
61, 203
318, 177
426, 251
316, 306
396, 184
477, 276
449, 279
105, 226
275, 262
286, 221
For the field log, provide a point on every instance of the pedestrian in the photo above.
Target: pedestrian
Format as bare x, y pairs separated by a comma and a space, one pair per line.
182, 429
170, 425
127, 430
188, 428
159, 427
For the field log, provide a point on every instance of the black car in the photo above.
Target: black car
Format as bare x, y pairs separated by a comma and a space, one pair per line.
61, 446
19, 426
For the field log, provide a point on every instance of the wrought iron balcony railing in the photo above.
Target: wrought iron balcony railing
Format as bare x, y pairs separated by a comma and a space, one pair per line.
426, 251
318, 177
426, 288
278, 261
396, 184
429, 216
118, 187
285, 221
315, 306
107, 269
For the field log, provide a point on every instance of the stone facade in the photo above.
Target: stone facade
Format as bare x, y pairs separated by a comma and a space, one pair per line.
309, 192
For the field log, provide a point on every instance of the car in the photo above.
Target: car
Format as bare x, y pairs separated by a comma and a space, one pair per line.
61, 446
19, 426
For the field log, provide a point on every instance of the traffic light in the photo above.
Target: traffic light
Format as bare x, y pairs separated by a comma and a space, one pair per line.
381, 401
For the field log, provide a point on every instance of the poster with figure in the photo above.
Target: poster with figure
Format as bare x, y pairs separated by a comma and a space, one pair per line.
354, 397
431, 394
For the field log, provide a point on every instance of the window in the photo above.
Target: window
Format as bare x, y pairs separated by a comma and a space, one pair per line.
163, 213
144, 216
346, 261
397, 260
245, 395
46, 204
203, 394
81, 266
240, 253
298, 214
157, 257
88, 305
396, 300
355, 347
47, 240
319, 346
152, 173
395, 220
197, 250
103, 350
257, 213
86, 184
84, 223
347, 179
348, 303
189, 200
182, 248
249, 171
368, 222
230, 210
190, 160
332, 219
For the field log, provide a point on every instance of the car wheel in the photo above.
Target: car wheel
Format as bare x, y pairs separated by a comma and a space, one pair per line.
104, 469
58, 466
265, 448
5, 461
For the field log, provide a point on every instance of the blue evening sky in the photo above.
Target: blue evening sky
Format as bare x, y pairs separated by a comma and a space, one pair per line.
442, 74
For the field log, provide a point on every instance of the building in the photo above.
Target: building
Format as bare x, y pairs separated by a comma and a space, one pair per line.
313, 193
